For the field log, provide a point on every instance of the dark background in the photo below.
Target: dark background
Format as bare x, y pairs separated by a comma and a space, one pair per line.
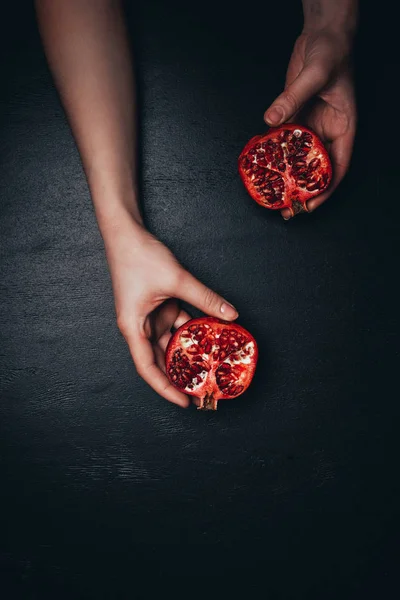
103, 483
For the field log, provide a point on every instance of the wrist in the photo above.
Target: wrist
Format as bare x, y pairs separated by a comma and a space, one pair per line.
334, 30
114, 192
117, 219
338, 19
336, 44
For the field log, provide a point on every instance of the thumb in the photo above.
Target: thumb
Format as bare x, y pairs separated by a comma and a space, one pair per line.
195, 293
307, 84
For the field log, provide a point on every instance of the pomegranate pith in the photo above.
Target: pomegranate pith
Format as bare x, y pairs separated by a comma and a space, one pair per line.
211, 359
285, 168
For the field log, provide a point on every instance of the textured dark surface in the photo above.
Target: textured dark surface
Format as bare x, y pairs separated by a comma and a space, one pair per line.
101, 480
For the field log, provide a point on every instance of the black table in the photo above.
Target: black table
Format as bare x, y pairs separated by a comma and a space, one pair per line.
102, 481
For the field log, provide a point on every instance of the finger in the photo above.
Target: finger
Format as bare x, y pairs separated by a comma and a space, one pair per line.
163, 341
164, 317
181, 319
307, 84
197, 294
144, 359
159, 353
286, 214
340, 151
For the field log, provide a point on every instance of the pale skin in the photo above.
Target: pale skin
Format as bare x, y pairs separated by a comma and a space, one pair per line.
87, 48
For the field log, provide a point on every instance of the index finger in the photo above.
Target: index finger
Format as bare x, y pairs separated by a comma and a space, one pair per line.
143, 356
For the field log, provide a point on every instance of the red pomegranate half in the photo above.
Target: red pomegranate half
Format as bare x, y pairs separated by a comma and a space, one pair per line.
211, 359
285, 168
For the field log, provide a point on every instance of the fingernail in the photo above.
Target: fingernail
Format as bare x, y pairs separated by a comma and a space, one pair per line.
228, 310
275, 115
286, 218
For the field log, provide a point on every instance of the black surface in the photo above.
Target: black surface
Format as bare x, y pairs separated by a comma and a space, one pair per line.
101, 480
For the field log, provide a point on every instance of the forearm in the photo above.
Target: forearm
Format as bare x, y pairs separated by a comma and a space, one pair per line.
88, 52
339, 16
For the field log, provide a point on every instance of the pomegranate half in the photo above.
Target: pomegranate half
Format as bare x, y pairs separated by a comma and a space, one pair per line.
285, 168
211, 359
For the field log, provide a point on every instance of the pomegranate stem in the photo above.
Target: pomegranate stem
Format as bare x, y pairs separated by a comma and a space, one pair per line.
208, 403
297, 207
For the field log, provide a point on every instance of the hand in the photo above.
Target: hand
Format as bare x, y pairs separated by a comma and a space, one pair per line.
147, 281
319, 91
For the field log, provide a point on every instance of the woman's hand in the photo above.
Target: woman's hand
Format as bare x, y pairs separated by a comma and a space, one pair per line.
148, 282
319, 92
88, 50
